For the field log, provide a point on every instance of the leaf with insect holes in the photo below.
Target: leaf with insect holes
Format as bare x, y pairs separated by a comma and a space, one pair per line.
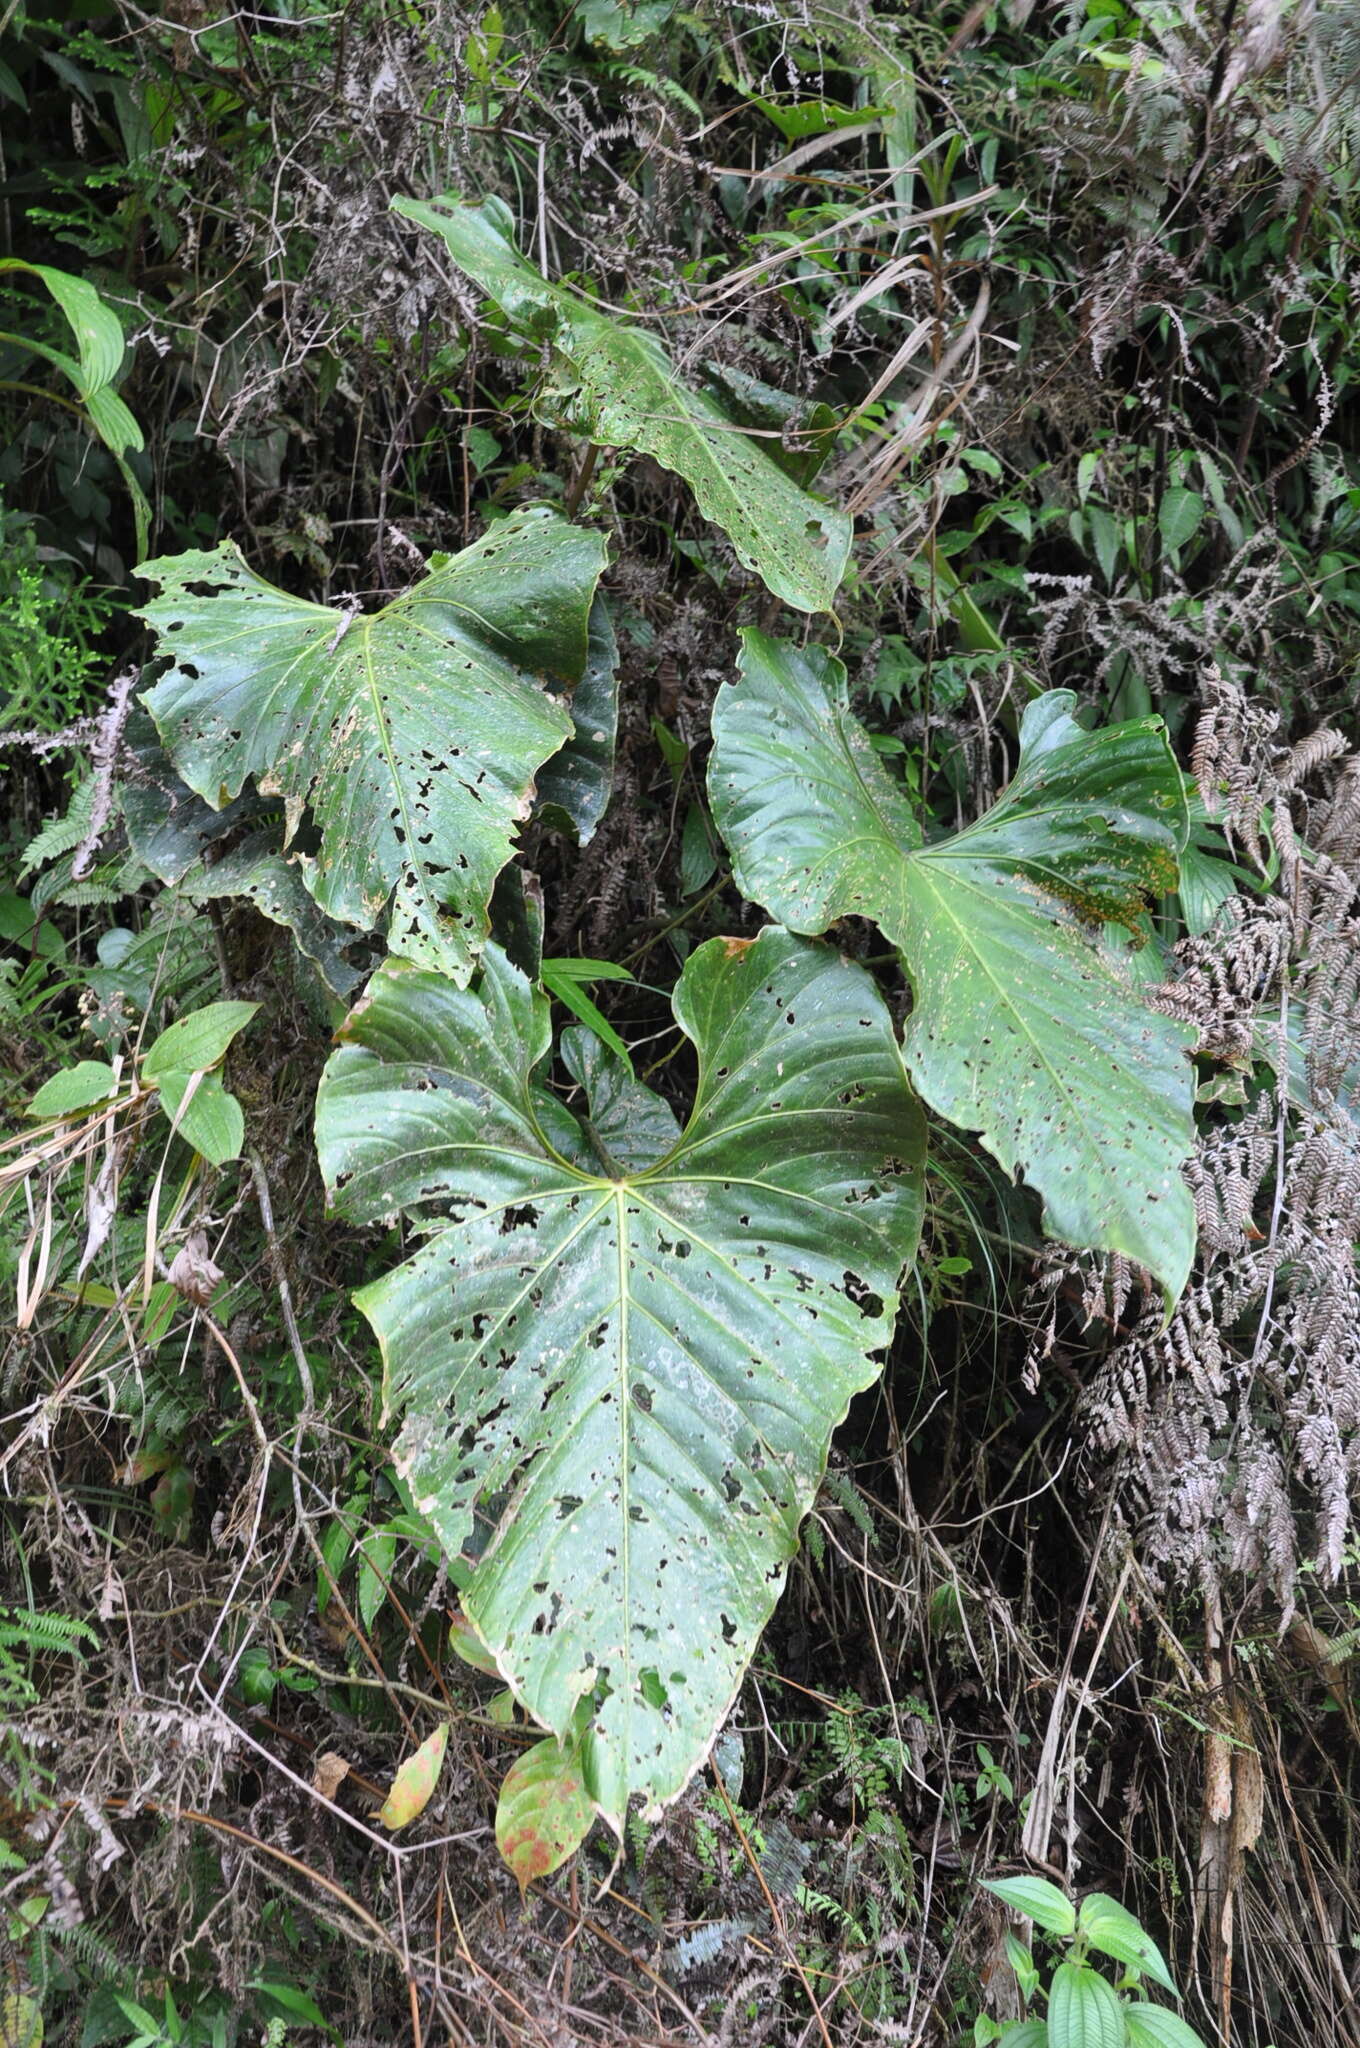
622, 1348
413, 1786
1022, 1028
544, 1811
414, 734
617, 387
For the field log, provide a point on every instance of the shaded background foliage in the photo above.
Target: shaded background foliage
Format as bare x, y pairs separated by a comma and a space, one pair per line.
1076, 285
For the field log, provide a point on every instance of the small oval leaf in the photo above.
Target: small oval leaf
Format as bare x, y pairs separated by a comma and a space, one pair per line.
74, 1088
544, 1811
209, 1119
1037, 1899
415, 1781
197, 1041
1179, 516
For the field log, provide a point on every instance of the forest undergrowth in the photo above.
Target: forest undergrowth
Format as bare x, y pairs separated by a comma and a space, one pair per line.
796, 430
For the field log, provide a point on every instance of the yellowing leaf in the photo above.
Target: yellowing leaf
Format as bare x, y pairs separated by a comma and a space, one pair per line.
465, 1642
544, 1811
415, 1781
21, 2024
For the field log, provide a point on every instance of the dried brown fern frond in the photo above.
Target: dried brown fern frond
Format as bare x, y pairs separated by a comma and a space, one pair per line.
1238, 1425
1309, 754
1231, 756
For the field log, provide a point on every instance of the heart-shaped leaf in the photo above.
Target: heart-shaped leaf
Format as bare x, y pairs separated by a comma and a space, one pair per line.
1023, 1028
617, 387
414, 734
622, 1349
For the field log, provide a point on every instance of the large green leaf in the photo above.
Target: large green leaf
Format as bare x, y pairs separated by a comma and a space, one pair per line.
413, 734
621, 1352
1152, 2026
617, 386
1022, 1028
1112, 1929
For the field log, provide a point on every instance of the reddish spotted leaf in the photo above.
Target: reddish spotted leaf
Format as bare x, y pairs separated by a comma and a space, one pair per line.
544, 1811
